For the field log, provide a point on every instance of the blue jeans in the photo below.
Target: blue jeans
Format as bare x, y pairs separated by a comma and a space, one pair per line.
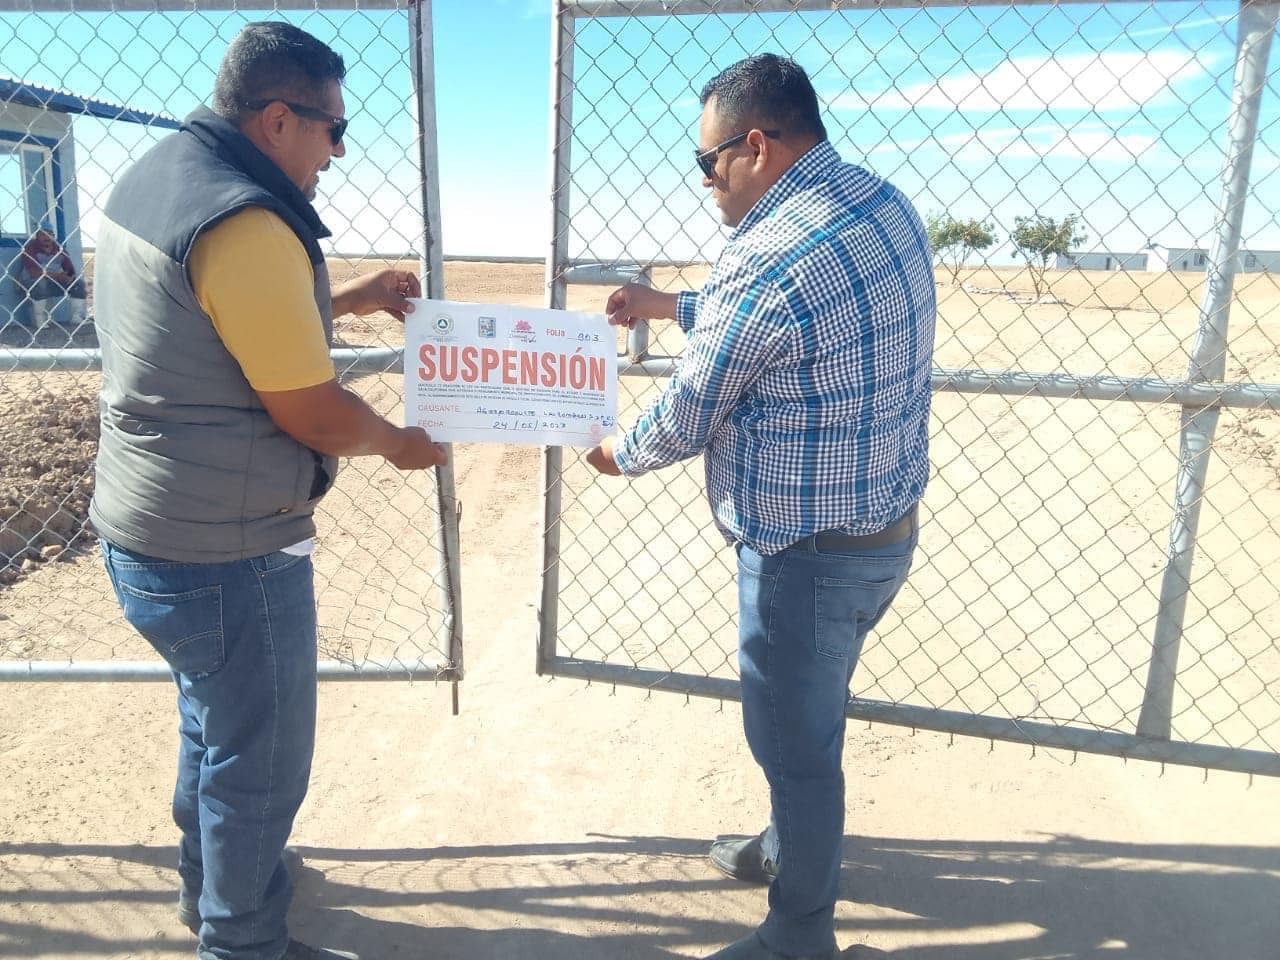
803, 615
240, 638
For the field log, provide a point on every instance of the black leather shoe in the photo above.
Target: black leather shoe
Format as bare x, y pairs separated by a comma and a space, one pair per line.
744, 860
189, 911
300, 951
751, 947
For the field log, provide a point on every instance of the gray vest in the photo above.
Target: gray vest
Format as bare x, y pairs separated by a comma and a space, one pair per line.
190, 467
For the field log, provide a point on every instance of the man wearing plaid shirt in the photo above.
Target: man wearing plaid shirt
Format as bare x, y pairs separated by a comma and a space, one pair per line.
805, 385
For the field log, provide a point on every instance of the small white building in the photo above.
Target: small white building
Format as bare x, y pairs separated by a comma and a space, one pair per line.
1158, 257
1196, 259
38, 173
1259, 261
1100, 260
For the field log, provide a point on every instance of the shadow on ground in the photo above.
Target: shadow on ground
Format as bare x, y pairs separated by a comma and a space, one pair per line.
644, 898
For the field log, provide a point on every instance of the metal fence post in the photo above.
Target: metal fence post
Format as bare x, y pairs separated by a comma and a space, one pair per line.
449, 576
1256, 26
638, 336
562, 43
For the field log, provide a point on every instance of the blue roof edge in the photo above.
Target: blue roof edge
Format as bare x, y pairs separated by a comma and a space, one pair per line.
60, 101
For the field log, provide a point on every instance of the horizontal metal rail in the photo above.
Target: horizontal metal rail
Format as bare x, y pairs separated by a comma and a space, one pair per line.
1058, 385
654, 8
147, 671
1199, 393
190, 6
1009, 729
1136, 389
346, 359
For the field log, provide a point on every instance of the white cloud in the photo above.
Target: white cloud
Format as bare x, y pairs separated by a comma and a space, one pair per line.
1044, 140
1105, 81
995, 137
1093, 145
1185, 25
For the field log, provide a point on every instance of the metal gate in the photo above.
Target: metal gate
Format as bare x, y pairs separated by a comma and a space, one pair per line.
1095, 427
91, 85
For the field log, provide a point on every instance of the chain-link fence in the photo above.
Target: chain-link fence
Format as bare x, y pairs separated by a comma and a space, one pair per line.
86, 88
1100, 537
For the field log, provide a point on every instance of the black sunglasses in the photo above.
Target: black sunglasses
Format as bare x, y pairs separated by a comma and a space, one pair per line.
707, 158
337, 125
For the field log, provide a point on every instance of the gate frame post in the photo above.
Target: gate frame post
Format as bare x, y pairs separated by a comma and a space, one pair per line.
1255, 28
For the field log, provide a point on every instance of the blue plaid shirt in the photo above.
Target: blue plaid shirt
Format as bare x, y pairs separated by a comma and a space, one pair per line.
805, 381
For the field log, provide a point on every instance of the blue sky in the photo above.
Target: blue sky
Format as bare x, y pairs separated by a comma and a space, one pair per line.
1116, 112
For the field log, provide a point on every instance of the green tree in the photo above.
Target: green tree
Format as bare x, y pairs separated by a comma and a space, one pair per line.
953, 240
1038, 238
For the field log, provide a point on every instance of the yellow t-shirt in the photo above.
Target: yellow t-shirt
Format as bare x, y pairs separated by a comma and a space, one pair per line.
252, 276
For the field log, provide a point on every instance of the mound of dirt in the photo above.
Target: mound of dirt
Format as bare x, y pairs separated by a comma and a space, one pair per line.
46, 477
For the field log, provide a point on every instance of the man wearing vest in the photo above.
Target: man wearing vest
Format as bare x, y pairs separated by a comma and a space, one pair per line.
221, 423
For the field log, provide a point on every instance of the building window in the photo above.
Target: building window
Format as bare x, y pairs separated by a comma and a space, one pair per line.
1199, 259
1250, 261
26, 189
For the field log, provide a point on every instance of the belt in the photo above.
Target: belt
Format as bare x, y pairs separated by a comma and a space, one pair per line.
895, 532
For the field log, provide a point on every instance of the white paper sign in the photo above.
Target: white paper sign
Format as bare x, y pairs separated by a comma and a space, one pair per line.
504, 374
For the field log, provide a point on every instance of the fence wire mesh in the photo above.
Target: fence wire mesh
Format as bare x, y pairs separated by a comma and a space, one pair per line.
1072, 385
84, 94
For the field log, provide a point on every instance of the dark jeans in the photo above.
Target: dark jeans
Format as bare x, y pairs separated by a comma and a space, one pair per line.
803, 615
240, 638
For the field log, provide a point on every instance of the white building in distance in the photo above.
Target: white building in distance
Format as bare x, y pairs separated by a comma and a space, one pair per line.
1101, 260
1157, 257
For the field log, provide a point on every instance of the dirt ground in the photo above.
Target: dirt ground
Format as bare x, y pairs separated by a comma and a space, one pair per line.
553, 819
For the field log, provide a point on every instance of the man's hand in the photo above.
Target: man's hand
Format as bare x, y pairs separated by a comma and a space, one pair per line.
388, 290
331, 419
601, 458
416, 451
634, 302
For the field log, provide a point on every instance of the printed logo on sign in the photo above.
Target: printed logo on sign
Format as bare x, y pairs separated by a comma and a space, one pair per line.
523, 330
488, 326
442, 324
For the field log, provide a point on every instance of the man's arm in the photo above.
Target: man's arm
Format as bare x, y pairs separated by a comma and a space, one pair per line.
743, 326
330, 419
634, 302
388, 290
252, 277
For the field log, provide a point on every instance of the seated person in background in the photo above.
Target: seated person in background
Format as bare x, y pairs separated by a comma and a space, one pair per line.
47, 272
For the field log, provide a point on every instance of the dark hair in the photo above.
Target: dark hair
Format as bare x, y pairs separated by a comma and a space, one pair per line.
272, 60
767, 91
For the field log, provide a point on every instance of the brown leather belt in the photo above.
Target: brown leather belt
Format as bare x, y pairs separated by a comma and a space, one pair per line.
895, 532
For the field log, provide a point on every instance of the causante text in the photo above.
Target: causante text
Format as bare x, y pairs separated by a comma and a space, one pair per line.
522, 367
